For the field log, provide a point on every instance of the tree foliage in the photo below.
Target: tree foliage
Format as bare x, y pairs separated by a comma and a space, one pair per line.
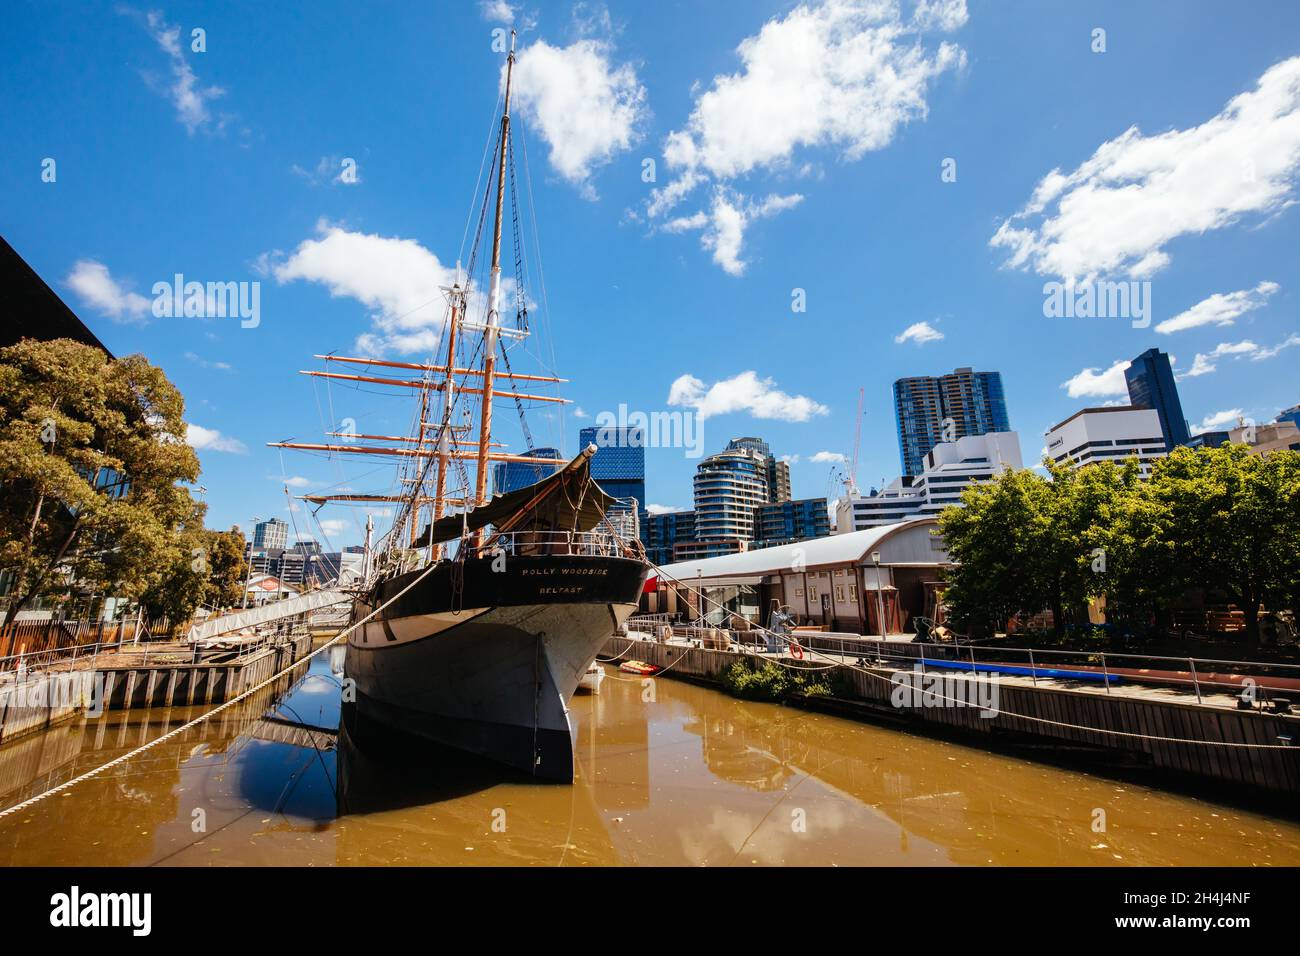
1217, 519
72, 422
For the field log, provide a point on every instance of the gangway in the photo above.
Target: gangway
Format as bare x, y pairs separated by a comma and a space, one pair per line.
266, 613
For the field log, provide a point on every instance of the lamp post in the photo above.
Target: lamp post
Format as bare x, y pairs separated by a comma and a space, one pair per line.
248, 566
880, 600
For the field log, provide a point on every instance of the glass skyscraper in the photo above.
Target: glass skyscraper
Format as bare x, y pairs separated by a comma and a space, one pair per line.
619, 463
512, 475
973, 402
1151, 385
271, 534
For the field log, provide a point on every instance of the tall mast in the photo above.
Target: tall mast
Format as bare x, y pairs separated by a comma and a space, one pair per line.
449, 400
494, 295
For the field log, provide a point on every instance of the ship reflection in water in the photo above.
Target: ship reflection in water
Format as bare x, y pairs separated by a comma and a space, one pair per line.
692, 778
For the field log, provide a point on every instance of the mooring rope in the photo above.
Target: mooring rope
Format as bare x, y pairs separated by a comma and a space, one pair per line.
69, 784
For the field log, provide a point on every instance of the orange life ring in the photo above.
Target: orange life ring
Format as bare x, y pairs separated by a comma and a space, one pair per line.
796, 650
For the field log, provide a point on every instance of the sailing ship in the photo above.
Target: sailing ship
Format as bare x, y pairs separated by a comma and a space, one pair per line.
490, 609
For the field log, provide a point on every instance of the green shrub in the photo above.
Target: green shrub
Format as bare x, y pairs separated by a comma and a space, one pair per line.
772, 682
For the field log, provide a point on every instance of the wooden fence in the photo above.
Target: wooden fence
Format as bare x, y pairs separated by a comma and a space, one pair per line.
26, 637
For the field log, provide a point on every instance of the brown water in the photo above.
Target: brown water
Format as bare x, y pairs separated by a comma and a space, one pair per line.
692, 778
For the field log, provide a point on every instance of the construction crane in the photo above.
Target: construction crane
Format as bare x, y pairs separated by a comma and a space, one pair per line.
851, 481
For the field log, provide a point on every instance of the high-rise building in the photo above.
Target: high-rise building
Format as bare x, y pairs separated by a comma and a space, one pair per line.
932, 409
271, 534
661, 533
729, 486
510, 476
784, 522
619, 463
778, 472
1151, 385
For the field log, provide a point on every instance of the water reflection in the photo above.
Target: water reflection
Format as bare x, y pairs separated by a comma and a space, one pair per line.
690, 778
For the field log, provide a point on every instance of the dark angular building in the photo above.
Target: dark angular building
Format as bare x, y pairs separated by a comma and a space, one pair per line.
31, 309
1151, 385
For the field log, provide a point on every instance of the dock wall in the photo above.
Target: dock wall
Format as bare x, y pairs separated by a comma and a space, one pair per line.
1127, 730
43, 700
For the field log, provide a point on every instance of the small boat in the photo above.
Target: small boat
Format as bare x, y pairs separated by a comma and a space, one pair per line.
591, 680
639, 667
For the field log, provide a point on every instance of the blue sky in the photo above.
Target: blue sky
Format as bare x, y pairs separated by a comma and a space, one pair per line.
795, 148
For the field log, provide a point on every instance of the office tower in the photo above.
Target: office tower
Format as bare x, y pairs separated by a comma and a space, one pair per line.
1110, 433
777, 471
664, 531
783, 522
619, 463
510, 476
271, 534
1151, 385
945, 408
729, 486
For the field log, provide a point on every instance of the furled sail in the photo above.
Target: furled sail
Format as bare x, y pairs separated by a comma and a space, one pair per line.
568, 500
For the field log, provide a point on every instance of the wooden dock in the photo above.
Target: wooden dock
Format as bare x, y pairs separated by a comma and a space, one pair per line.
1209, 741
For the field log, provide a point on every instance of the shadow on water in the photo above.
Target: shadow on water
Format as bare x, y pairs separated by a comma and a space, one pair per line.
341, 762
382, 768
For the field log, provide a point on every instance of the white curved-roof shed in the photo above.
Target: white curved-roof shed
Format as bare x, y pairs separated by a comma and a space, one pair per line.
906, 544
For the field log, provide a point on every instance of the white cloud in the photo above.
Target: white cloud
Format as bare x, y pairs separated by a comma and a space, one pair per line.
341, 170
744, 392
496, 11
209, 439
205, 363
920, 333
1217, 420
840, 74
1268, 353
790, 459
188, 96
1117, 211
294, 481
93, 284
829, 457
585, 107
398, 279
940, 14
725, 223
334, 527
663, 509
1222, 308
1204, 362
1095, 383
579, 412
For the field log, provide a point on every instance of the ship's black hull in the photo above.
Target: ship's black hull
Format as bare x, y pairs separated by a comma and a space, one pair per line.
487, 660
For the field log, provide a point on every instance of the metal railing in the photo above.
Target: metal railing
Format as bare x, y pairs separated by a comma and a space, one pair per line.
1199, 676
538, 543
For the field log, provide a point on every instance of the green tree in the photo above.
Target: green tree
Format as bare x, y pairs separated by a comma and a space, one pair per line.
92, 460
1229, 519
1025, 542
227, 569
